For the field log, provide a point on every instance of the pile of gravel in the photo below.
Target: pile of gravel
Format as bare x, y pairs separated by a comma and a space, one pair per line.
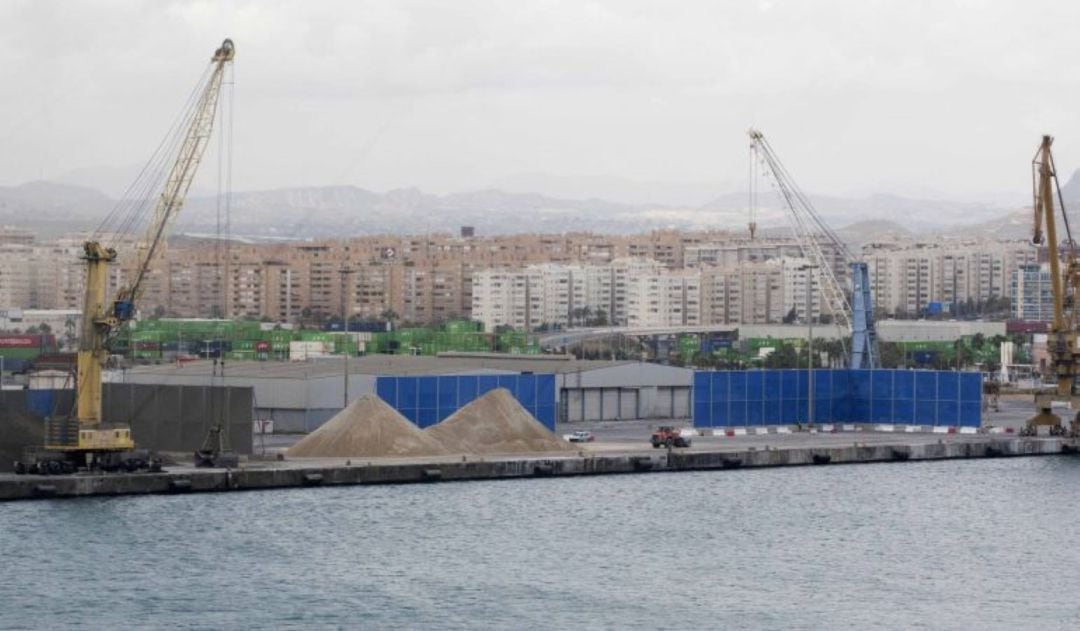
367, 428
496, 424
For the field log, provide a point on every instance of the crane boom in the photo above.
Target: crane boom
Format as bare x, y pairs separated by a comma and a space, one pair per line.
102, 317
815, 238
810, 230
826, 252
171, 200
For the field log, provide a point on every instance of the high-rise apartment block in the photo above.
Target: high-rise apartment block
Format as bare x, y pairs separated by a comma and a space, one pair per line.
1033, 295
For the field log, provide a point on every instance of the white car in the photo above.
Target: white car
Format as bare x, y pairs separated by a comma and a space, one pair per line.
581, 437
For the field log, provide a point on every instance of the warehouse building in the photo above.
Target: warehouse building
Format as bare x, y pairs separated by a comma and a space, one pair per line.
300, 396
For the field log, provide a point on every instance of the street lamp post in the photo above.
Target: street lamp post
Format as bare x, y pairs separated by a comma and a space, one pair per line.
810, 344
345, 271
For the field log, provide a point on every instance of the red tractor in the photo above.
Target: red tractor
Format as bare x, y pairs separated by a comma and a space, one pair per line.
668, 436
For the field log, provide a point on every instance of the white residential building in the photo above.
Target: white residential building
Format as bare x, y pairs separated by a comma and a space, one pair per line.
667, 298
802, 289
906, 276
16, 263
556, 295
508, 297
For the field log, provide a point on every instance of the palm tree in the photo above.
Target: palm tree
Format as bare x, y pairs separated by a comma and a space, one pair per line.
69, 333
391, 316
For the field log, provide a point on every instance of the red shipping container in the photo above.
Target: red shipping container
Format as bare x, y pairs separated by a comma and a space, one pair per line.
20, 341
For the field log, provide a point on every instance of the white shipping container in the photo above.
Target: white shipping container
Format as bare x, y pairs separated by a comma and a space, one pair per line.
302, 351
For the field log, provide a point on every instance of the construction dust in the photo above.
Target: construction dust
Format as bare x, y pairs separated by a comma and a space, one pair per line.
368, 427
496, 424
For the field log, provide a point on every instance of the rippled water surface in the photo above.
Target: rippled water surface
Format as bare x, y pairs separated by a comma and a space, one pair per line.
989, 544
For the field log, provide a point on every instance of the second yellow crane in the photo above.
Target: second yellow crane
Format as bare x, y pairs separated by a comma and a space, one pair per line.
1064, 282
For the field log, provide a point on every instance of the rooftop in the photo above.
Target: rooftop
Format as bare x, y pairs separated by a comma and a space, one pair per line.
382, 365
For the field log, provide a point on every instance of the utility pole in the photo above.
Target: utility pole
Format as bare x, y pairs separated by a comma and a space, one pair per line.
810, 343
345, 271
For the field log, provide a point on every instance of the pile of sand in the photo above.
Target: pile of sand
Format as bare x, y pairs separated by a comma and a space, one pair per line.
367, 428
18, 430
496, 424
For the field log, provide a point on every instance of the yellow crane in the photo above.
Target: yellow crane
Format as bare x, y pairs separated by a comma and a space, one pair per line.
86, 439
1064, 283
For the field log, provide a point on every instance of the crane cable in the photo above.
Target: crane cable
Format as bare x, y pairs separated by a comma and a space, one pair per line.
1061, 203
752, 189
223, 226
131, 209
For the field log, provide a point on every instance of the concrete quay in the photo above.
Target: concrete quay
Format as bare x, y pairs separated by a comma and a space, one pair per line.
797, 450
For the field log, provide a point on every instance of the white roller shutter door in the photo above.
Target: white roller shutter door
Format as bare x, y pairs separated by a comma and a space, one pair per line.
628, 404
575, 398
611, 404
592, 404
681, 397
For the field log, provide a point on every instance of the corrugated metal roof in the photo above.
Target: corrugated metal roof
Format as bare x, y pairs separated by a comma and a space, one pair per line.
381, 365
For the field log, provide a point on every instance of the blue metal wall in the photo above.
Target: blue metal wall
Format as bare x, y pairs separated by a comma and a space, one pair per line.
428, 400
779, 397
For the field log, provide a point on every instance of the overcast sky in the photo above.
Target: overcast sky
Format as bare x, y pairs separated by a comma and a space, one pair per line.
935, 98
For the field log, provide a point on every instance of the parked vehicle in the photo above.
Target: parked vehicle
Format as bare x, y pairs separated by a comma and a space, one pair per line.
581, 437
668, 436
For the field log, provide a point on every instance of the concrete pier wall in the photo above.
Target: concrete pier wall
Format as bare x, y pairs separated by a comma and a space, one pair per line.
269, 475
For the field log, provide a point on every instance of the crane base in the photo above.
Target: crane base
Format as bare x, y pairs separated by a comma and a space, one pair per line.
47, 461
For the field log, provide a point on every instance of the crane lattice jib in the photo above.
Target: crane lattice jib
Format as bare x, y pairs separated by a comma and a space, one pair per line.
810, 230
180, 177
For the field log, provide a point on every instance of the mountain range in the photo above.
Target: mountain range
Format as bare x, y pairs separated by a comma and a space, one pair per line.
52, 208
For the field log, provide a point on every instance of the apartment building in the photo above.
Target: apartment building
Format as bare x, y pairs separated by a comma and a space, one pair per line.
12, 235
803, 295
906, 276
16, 261
732, 252
434, 277
748, 293
512, 297
666, 298
1032, 293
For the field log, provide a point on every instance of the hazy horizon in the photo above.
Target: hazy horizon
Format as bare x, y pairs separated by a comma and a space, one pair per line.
630, 101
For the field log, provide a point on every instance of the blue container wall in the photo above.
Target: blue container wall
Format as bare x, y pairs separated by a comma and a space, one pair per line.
428, 400
780, 397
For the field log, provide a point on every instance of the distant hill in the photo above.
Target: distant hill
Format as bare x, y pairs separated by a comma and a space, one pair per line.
332, 211
1014, 225
51, 209
861, 232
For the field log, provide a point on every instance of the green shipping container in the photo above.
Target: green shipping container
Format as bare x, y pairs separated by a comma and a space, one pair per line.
20, 353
